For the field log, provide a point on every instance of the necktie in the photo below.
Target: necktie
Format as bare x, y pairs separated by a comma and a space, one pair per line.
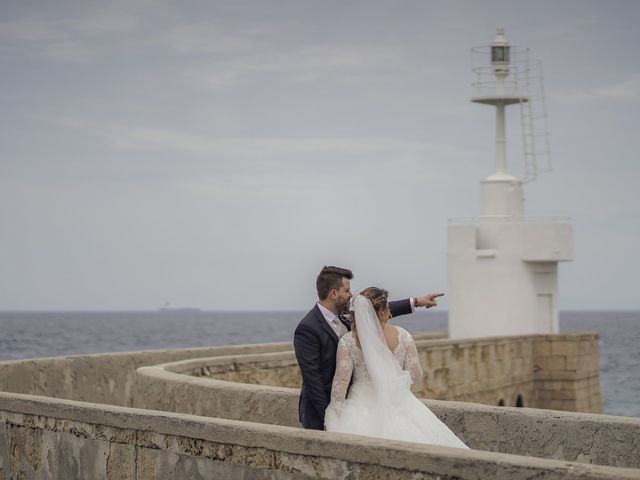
338, 326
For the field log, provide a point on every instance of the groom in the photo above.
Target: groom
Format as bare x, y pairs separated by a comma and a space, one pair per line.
316, 339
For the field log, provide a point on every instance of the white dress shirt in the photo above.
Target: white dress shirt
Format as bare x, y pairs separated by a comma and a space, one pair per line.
333, 321
412, 301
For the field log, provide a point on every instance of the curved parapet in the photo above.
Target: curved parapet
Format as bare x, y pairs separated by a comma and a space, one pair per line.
203, 387
52, 438
104, 377
210, 387
231, 412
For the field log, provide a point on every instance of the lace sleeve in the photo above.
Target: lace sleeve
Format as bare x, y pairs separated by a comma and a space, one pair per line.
411, 360
342, 377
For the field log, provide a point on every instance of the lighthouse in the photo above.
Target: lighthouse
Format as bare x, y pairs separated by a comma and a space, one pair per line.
503, 266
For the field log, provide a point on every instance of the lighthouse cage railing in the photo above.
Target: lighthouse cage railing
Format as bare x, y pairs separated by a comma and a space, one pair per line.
486, 84
525, 81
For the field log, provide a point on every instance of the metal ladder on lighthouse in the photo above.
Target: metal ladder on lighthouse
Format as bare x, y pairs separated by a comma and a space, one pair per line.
533, 121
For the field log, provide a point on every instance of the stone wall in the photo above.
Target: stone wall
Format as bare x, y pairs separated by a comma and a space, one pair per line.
567, 373
62, 439
546, 371
540, 433
52, 438
559, 372
165, 387
481, 370
103, 378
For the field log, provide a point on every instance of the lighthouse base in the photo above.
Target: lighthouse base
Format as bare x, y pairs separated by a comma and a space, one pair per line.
503, 276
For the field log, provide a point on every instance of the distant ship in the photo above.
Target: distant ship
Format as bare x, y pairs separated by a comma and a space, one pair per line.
167, 307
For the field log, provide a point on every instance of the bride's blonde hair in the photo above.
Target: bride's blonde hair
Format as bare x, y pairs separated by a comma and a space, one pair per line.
379, 298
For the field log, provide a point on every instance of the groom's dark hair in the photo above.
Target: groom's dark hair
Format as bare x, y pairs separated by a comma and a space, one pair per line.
330, 278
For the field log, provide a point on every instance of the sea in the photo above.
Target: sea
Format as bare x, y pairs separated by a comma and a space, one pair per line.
46, 334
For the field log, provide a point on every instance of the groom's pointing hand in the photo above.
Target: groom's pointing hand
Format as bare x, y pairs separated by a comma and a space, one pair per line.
428, 300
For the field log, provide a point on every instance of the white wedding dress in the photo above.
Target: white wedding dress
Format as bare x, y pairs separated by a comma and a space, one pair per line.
380, 402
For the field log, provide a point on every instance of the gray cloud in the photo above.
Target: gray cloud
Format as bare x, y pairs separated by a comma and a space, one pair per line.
218, 155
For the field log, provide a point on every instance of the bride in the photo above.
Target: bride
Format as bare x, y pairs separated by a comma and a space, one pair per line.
384, 363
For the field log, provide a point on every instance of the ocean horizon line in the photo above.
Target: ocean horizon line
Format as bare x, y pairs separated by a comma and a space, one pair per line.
275, 310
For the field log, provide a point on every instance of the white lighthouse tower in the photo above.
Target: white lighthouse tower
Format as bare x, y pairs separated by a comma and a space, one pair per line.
503, 266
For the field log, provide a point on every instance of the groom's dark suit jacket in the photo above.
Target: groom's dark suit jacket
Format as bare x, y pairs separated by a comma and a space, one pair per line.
316, 343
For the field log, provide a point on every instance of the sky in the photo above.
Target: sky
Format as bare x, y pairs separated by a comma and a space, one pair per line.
216, 154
